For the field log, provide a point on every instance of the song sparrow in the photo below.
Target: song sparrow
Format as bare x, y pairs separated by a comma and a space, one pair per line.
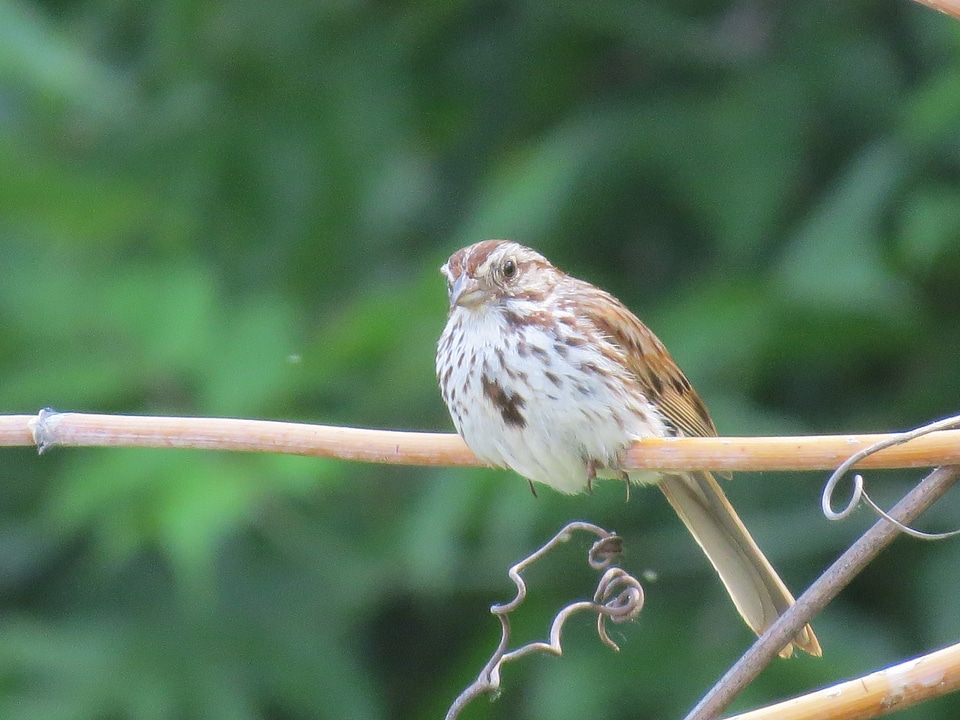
553, 377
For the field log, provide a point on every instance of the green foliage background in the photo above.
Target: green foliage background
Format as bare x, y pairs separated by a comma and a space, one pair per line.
238, 208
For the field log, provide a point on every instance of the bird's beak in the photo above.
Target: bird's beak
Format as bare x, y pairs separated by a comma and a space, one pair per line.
465, 292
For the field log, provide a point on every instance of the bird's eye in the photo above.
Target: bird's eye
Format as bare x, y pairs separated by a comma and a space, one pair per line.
509, 268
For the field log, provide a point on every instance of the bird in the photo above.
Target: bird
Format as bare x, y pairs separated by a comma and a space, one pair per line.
554, 378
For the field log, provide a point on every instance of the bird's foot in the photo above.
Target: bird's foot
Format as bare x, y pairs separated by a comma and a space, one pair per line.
591, 475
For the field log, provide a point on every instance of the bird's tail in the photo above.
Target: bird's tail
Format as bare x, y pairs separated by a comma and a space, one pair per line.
753, 584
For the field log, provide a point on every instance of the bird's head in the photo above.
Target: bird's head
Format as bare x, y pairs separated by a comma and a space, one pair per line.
493, 272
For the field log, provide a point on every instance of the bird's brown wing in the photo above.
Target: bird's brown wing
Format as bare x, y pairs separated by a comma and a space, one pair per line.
662, 381
754, 586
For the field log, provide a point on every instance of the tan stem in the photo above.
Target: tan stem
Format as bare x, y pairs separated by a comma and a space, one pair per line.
947, 7
893, 688
823, 452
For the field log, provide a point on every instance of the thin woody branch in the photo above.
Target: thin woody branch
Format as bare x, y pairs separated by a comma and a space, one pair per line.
947, 7
884, 691
824, 452
821, 592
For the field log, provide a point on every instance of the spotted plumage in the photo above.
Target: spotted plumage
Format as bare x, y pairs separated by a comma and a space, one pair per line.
555, 378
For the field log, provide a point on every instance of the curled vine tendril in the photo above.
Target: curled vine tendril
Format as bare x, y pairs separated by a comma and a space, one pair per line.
859, 492
618, 598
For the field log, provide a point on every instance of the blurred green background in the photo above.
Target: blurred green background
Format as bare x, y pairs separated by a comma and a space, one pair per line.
238, 208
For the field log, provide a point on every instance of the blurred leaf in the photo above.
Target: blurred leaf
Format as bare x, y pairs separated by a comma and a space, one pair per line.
524, 197
34, 56
183, 503
833, 261
930, 226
